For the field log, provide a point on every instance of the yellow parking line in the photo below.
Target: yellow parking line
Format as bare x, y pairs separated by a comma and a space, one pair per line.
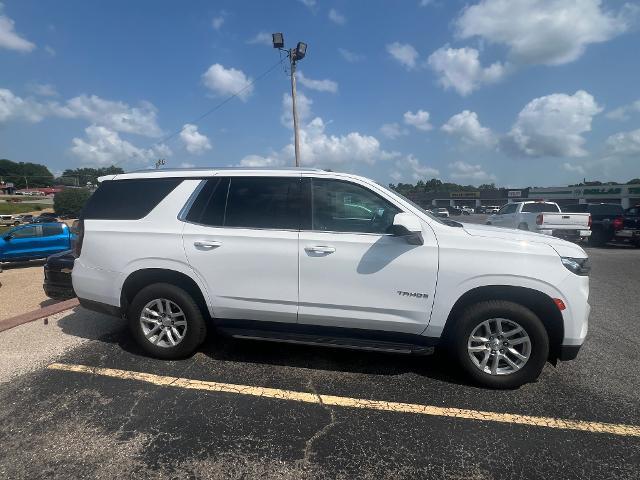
548, 422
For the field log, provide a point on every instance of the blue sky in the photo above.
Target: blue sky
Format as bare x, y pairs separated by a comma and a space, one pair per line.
517, 92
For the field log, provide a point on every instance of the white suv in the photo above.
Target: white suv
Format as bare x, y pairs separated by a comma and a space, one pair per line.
314, 257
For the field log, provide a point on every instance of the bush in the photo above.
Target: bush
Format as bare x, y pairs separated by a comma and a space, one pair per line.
70, 201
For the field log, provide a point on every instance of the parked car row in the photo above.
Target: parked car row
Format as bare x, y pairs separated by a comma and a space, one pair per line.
598, 223
44, 217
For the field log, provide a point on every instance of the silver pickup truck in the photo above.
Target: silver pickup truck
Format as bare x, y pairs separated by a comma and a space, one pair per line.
543, 217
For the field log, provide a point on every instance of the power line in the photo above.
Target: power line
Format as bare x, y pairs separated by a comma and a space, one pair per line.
215, 107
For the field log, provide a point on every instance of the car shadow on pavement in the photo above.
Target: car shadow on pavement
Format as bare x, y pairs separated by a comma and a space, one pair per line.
106, 329
435, 366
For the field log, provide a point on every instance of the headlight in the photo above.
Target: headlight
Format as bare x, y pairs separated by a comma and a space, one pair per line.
579, 266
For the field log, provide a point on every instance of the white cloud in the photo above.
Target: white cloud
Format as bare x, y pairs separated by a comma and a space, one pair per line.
117, 116
553, 126
548, 32
308, 3
303, 105
319, 85
409, 168
460, 69
14, 107
419, 120
320, 149
194, 141
466, 172
393, 130
9, 38
426, 3
187, 165
261, 38
569, 167
336, 17
466, 126
103, 146
404, 53
43, 89
227, 81
623, 113
624, 143
349, 56
50, 50
217, 22
114, 115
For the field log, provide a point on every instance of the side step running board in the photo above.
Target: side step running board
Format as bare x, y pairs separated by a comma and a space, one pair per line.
347, 343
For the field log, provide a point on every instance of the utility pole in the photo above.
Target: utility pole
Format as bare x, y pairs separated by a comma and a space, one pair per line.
294, 55
296, 138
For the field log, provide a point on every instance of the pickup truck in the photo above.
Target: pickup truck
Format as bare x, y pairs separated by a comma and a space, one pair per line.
543, 217
630, 230
30, 242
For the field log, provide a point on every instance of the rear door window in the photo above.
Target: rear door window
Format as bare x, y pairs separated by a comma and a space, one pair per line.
51, 230
27, 232
249, 202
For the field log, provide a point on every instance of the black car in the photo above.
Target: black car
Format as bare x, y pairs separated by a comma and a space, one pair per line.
44, 218
57, 276
606, 220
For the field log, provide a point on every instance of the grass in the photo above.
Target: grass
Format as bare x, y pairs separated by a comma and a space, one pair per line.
15, 208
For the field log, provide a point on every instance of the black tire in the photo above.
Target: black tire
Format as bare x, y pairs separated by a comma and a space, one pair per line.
473, 316
523, 226
596, 239
196, 330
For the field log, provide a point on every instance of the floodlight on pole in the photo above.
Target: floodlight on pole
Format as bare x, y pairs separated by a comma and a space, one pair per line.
294, 55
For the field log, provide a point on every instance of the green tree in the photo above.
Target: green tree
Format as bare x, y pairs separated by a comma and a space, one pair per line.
634, 181
82, 176
25, 173
70, 201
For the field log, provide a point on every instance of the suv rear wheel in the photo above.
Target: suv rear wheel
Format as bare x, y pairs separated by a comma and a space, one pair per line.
500, 344
166, 321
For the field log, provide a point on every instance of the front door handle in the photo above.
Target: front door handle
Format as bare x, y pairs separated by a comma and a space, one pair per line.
206, 245
320, 249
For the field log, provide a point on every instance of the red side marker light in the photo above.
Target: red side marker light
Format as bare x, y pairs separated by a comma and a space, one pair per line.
559, 303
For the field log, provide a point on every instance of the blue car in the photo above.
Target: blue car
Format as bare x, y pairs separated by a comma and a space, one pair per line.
33, 241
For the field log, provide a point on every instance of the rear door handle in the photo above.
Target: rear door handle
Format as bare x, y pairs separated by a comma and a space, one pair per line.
206, 245
320, 249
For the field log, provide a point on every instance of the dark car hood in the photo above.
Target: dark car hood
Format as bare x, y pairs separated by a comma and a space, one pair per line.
61, 260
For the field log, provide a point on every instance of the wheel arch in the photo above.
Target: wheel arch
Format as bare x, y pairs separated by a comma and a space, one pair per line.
538, 302
139, 279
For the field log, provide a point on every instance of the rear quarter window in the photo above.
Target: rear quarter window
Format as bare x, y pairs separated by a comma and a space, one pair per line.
127, 199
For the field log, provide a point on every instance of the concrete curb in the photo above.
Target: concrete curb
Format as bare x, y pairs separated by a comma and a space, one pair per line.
8, 323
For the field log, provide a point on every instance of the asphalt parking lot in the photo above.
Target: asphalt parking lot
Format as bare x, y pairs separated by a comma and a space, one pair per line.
92, 415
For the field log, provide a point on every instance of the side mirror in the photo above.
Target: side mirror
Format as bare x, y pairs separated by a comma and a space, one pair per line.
408, 226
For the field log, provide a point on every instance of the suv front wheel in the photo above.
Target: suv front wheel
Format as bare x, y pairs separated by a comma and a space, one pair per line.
500, 344
166, 321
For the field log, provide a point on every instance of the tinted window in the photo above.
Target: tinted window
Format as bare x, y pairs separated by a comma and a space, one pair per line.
208, 207
633, 211
128, 199
50, 230
605, 209
540, 208
264, 202
576, 208
26, 232
345, 207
